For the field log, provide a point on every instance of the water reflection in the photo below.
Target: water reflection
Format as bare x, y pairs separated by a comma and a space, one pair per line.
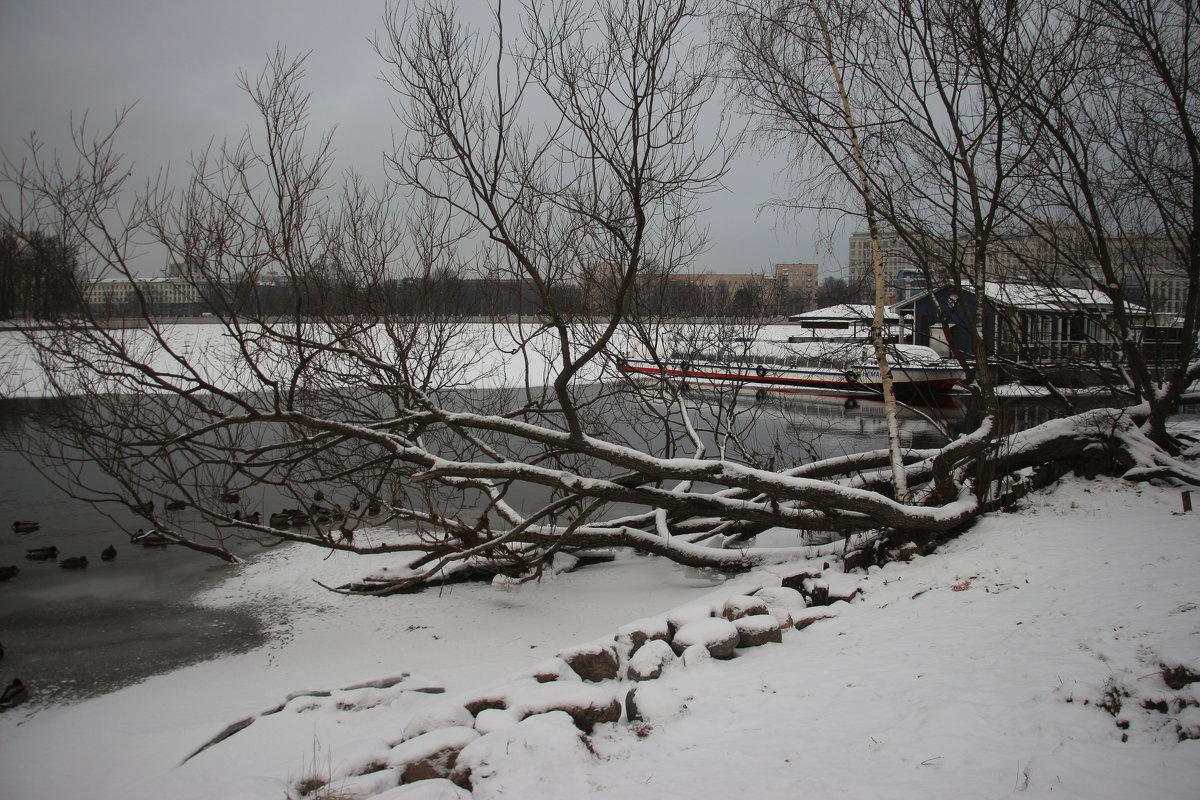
800, 426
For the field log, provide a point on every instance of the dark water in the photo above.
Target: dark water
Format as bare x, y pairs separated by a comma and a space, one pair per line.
71, 634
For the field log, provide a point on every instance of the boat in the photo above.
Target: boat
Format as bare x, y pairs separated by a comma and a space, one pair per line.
805, 362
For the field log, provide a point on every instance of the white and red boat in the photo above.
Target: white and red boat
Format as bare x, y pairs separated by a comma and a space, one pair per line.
810, 363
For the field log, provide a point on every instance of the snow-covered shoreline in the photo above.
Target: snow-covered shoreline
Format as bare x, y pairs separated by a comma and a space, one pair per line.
916, 690
983, 670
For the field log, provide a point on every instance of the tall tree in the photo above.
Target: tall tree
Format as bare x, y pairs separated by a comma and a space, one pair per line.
1111, 107
798, 64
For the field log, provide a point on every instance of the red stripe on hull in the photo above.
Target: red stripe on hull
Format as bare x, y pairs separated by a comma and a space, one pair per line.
933, 384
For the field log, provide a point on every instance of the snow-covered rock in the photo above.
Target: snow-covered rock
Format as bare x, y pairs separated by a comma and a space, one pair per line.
649, 662
696, 655
782, 597
757, 630
741, 605
431, 754
436, 789
783, 603
552, 669
718, 635
365, 785
597, 661
360, 756
494, 719
653, 702
433, 715
542, 756
809, 616
692, 612
637, 633
586, 704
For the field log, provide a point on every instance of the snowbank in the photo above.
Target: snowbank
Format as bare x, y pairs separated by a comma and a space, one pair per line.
1033, 656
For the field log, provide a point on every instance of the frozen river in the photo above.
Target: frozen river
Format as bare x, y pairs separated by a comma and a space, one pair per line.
75, 633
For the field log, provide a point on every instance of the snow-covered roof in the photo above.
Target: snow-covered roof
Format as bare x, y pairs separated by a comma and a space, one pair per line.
1044, 298
126, 281
844, 311
1031, 297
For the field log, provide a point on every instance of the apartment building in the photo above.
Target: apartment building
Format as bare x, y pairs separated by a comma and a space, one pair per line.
796, 285
1052, 255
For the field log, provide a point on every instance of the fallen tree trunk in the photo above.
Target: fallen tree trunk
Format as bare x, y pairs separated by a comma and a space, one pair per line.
949, 489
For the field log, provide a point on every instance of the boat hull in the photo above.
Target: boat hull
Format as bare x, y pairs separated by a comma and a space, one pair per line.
856, 378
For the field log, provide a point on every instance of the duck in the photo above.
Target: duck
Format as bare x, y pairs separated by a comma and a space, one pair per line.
76, 562
280, 520
108, 554
42, 553
8, 573
15, 693
25, 526
149, 538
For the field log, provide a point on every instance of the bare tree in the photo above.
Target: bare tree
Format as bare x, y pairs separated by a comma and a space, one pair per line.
570, 155
1112, 110
1048, 144
797, 63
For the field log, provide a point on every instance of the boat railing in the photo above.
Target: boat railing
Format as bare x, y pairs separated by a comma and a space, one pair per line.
751, 360
1060, 352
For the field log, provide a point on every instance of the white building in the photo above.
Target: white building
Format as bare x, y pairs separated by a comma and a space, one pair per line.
162, 296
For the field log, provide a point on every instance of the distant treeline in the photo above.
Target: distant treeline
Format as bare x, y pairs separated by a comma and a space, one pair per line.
449, 294
38, 276
40, 279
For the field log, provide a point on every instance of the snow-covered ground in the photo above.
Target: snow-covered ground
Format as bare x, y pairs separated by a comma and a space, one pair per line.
978, 672
991, 668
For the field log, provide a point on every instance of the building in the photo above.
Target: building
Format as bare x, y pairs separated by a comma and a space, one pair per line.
796, 286
1022, 324
848, 322
1051, 254
165, 296
730, 281
897, 257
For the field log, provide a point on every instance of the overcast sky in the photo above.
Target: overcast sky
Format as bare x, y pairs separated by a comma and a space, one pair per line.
178, 60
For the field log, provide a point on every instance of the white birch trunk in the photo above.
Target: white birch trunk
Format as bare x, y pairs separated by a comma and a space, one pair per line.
864, 190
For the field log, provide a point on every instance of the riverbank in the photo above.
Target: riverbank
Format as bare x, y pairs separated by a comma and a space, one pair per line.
988, 669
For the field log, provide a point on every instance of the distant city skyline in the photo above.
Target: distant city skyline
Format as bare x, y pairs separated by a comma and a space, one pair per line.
176, 63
